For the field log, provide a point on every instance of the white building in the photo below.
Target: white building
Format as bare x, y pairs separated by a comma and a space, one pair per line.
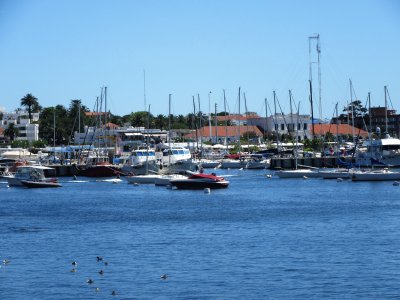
285, 124
27, 131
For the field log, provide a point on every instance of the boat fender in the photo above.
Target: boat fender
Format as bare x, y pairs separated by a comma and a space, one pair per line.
207, 190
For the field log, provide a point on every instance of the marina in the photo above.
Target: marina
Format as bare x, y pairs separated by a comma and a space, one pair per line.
263, 232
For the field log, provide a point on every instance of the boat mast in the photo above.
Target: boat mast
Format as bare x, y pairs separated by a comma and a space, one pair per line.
386, 115
226, 123
239, 124
216, 125
54, 135
337, 132
200, 124
266, 118
297, 136
195, 125
144, 89
291, 114
247, 123
169, 130
148, 141
312, 111
352, 109
209, 113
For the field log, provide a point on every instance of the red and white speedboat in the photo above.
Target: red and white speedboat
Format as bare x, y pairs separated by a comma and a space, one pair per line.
200, 181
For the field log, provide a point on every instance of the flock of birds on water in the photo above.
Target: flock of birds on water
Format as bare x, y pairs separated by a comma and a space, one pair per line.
90, 281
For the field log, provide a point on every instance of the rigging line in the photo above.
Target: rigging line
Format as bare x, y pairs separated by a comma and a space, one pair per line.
390, 100
284, 120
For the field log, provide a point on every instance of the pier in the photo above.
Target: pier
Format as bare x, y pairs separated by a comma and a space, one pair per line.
316, 162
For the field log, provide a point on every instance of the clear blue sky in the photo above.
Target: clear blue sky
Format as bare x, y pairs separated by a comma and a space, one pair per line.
67, 49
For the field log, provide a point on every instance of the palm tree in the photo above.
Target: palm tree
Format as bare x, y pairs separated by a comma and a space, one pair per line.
31, 103
11, 132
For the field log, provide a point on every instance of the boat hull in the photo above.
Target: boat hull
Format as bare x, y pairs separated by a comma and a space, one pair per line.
40, 184
97, 171
297, 173
193, 184
142, 179
375, 176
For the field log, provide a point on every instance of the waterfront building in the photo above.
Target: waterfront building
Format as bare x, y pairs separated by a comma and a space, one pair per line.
27, 131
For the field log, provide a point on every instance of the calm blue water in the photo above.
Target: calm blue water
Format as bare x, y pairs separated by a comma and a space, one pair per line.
259, 239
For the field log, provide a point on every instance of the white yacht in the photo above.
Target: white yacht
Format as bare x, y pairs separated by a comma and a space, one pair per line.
384, 151
28, 173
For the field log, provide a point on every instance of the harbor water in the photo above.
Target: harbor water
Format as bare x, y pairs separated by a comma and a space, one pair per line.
262, 238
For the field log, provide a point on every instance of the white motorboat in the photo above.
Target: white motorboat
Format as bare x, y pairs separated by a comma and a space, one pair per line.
143, 179
228, 163
375, 175
298, 173
336, 173
28, 173
210, 164
385, 151
165, 179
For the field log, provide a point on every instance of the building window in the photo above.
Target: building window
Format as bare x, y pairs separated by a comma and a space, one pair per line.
282, 126
276, 127
305, 126
298, 126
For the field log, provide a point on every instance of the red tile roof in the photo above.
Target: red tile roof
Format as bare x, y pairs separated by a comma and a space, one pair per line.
341, 129
223, 131
111, 125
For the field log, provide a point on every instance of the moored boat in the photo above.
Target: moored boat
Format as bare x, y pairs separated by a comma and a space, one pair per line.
200, 181
28, 173
375, 175
298, 173
143, 179
41, 183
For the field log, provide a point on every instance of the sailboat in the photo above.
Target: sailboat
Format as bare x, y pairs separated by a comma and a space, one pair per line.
298, 173
146, 178
97, 163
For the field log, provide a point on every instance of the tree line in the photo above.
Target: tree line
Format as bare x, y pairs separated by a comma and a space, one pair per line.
57, 124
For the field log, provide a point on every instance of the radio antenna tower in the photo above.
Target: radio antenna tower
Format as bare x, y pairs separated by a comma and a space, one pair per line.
318, 62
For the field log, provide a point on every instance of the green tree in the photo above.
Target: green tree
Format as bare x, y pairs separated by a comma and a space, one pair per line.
161, 122
11, 132
63, 126
31, 103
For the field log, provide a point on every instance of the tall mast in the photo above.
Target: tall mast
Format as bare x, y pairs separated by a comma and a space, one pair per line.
216, 124
312, 111
239, 121
266, 117
291, 114
247, 123
386, 115
352, 109
169, 130
148, 141
209, 113
200, 124
226, 122
144, 89
54, 135
276, 124
195, 125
